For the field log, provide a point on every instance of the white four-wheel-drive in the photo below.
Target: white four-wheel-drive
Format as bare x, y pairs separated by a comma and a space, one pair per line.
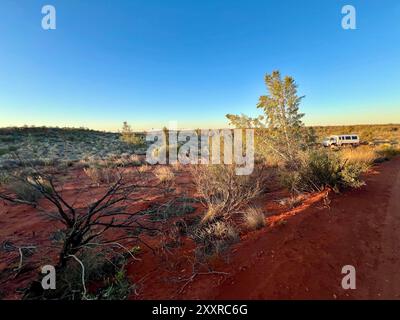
342, 140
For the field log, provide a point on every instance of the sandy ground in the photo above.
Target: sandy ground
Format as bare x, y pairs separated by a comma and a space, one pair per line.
299, 255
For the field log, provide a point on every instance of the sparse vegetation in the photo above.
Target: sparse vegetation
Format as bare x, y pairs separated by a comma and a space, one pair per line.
117, 175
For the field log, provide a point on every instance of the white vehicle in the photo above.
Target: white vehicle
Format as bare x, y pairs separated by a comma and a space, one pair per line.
341, 140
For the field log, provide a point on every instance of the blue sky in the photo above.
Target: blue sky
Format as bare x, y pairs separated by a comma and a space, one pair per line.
150, 62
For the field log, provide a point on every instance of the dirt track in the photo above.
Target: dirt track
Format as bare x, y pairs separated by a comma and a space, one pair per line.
303, 258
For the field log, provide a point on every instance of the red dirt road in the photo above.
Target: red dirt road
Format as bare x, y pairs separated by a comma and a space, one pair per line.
303, 258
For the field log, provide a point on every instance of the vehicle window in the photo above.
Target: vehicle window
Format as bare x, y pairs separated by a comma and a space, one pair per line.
348, 138
354, 137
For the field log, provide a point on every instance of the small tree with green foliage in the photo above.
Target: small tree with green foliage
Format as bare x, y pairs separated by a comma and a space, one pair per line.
128, 136
280, 129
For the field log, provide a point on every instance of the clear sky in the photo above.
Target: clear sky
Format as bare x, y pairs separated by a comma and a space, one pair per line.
150, 62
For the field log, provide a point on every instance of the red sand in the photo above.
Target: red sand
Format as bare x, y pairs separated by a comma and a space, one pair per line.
299, 255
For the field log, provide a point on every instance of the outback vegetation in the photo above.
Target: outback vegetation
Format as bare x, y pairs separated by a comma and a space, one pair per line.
106, 219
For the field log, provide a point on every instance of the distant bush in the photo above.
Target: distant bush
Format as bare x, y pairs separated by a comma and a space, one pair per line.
128, 136
320, 169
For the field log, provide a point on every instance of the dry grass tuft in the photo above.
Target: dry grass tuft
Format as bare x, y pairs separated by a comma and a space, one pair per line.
362, 154
213, 211
164, 174
292, 202
102, 175
144, 168
214, 238
254, 218
166, 178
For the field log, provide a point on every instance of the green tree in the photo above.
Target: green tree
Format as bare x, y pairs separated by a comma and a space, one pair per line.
129, 136
281, 129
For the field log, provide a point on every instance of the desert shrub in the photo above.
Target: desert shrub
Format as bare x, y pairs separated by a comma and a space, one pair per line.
128, 136
164, 174
119, 288
292, 201
102, 175
83, 225
123, 161
350, 175
319, 169
166, 177
222, 191
74, 282
388, 151
254, 218
214, 238
26, 187
165, 211
133, 160
144, 168
214, 210
24, 191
